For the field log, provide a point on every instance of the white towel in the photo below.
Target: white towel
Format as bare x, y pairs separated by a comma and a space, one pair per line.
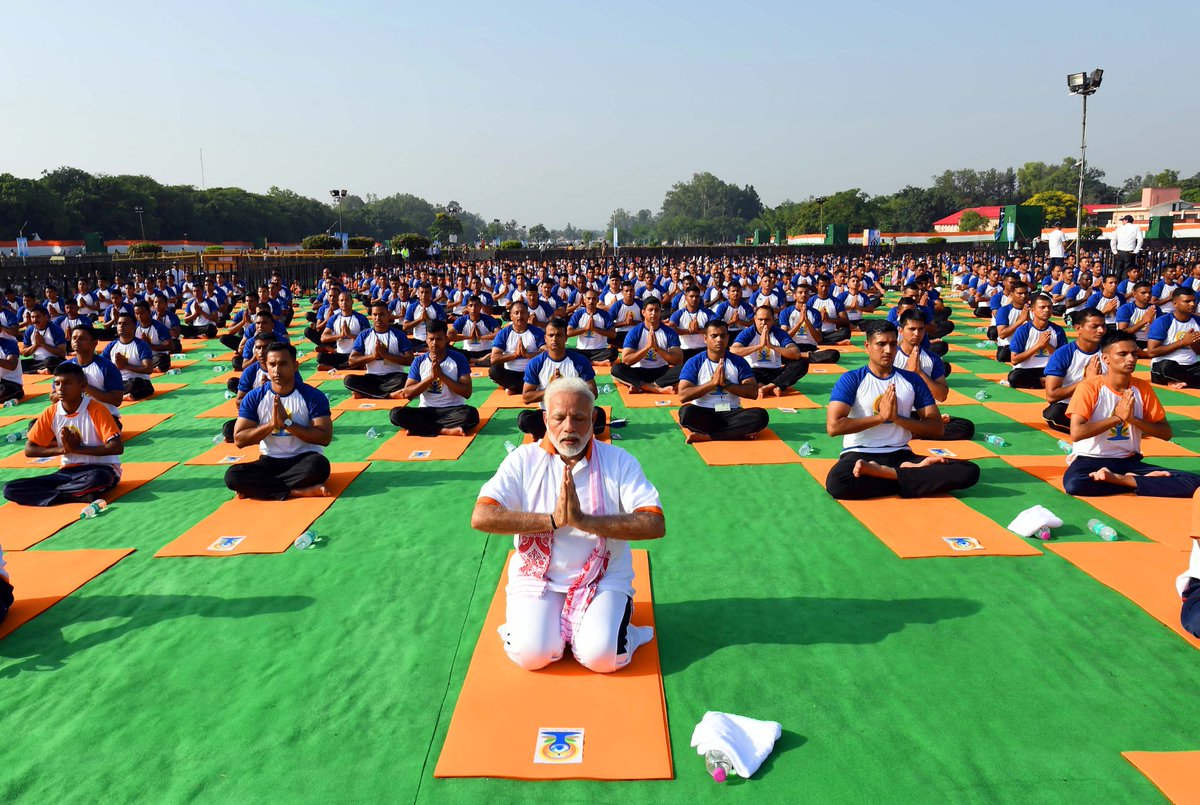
1029, 521
746, 741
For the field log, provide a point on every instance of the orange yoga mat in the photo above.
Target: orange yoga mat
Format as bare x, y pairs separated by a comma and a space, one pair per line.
26, 526
963, 448
644, 400
956, 397
28, 380
765, 448
916, 529
224, 454
403, 447
259, 526
364, 404
1163, 520
327, 374
826, 369
983, 353
1143, 572
1030, 415
222, 379
180, 363
1173, 773
5, 421
1188, 411
160, 389
43, 578
222, 357
502, 399
501, 708
792, 399
226, 410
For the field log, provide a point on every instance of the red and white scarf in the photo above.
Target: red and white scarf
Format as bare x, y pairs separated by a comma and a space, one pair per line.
535, 552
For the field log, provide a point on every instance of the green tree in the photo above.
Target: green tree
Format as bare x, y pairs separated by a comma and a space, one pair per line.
1058, 206
539, 233
444, 225
972, 221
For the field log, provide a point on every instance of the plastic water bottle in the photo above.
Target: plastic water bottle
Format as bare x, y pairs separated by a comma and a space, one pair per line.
607, 389
173, 371
1043, 533
219, 438
982, 395
1102, 529
987, 344
509, 446
333, 372
229, 395
981, 329
93, 509
372, 433
13, 438
718, 764
8, 404
218, 369
805, 450
300, 354
305, 540
996, 439
1065, 446
178, 356
210, 356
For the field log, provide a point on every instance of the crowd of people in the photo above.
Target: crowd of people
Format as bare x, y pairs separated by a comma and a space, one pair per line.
716, 332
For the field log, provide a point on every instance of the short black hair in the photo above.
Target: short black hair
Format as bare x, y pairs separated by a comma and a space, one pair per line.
435, 326
1137, 286
558, 322
651, 300
1117, 337
86, 328
1080, 316
720, 324
268, 337
875, 327
280, 346
67, 368
912, 314
1181, 291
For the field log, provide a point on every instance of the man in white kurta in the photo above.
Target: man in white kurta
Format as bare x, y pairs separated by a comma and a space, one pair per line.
573, 504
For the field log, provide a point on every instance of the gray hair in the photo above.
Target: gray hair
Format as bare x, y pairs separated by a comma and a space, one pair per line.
569, 385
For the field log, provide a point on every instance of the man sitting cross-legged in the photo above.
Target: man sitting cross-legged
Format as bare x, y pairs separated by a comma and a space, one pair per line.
341, 332
104, 381
573, 505
914, 357
651, 356
383, 349
1109, 414
711, 385
442, 380
252, 376
476, 330
290, 422
593, 330
512, 348
155, 334
1072, 363
1032, 344
132, 356
83, 432
1173, 342
543, 369
876, 409
777, 363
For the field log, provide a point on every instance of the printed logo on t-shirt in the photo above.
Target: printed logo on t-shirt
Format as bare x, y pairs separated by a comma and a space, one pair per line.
1120, 433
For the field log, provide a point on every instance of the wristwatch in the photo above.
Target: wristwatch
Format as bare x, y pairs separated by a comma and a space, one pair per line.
287, 423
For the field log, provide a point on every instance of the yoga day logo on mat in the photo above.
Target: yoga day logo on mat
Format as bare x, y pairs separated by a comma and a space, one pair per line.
226, 544
963, 543
558, 746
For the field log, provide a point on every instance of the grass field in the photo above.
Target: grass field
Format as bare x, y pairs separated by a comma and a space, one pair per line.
330, 675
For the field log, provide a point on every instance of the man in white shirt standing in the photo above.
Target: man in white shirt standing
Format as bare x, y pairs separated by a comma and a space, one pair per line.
1057, 243
573, 505
1126, 243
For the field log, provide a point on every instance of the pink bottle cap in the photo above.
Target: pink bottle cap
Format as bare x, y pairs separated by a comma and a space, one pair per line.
718, 774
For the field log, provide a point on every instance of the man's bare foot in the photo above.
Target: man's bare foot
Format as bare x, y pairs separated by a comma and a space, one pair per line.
844, 343
776, 391
665, 389
696, 438
396, 395
872, 469
318, 491
1107, 476
633, 389
354, 395
240, 496
1176, 386
511, 392
452, 432
927, 461
765, 391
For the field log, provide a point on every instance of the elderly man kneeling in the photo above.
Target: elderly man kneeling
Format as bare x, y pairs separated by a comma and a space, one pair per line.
573, 504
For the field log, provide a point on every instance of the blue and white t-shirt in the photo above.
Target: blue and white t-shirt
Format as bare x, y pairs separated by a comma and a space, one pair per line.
8, 349
394, 341
303, 405
682, 320
347, 327
1130, 314
438, 395
477, 335
534, 338
861, 389
542, 370
600, 319
1169, 330
829, 309
423, 314
764, 358
699, 370
1027, 335
137, 353
1069, 363
104, 375
639, 337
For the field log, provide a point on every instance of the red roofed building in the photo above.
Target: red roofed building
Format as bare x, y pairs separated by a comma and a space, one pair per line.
992, 214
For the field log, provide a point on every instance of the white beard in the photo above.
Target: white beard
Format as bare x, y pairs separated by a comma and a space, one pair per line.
570, 451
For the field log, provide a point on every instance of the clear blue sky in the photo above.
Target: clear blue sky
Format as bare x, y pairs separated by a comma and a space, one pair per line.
549, 113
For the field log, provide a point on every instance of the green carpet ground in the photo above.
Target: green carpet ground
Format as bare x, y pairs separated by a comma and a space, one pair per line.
330, 675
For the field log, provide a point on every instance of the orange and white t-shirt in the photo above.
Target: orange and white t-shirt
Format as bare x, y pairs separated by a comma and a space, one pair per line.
94, 424
1095, 400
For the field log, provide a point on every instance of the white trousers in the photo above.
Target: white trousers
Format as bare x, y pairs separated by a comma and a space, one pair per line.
604, 641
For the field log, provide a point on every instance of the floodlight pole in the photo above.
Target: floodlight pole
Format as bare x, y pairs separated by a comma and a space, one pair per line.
1082, 169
